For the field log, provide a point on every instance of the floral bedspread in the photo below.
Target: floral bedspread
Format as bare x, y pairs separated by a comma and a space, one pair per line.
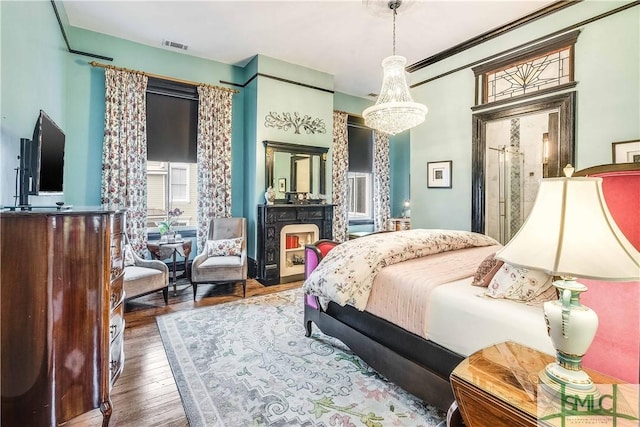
346, 274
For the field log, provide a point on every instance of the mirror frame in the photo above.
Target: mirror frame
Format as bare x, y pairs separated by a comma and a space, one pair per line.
564, 103
274, 146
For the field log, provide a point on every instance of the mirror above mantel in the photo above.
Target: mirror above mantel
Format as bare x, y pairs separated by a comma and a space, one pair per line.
293, 169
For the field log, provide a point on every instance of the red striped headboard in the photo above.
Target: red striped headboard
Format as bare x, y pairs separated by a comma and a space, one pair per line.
616, 347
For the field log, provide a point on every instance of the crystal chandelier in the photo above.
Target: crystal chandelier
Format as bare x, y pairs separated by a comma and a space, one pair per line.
394, 111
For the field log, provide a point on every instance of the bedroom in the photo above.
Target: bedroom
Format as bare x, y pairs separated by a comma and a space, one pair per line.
607, 108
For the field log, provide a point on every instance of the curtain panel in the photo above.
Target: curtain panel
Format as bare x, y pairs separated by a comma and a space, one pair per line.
381, 186
214, 158
124, 155
340, 167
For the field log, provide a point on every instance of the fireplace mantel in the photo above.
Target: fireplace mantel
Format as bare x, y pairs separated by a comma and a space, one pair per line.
271, 220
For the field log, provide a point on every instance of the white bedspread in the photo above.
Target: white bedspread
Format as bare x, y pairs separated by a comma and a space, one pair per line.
464, 322
346, 274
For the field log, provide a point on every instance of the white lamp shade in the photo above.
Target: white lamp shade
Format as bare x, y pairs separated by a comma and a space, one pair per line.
570, 232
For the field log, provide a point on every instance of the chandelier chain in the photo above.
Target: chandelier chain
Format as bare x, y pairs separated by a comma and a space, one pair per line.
395, 12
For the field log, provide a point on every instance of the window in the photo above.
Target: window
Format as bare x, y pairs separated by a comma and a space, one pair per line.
179, 182
172, 121
542, 68
359, 195
360, 176
170, 186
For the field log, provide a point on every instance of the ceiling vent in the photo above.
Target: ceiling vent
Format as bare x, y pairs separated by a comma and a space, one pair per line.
176, 45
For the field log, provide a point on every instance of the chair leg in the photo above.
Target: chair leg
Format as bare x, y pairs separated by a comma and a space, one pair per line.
244, 288
195, 289
165, 294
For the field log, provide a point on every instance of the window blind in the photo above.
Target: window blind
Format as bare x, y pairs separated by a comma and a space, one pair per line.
172, 121
360, 146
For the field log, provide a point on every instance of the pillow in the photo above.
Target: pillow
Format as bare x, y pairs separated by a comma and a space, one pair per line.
486, 270
225, 247
520, 284
129, 260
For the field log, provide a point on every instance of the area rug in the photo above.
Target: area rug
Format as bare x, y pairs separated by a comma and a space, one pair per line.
248, 363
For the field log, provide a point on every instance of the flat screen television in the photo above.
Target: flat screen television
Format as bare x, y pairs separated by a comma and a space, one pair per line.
46, 162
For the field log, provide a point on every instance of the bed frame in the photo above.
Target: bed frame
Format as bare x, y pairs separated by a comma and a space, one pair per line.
419, 366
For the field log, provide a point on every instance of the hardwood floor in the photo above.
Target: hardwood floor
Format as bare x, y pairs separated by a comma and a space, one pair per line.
146, 393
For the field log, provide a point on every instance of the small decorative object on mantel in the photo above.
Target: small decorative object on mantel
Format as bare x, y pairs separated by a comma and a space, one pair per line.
286, 122
270, 195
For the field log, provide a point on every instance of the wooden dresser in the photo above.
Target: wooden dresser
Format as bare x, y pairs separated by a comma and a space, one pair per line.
62, 314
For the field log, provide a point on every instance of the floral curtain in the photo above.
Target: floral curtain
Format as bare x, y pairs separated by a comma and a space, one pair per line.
381, 189
340, 168
213, 157
124, 155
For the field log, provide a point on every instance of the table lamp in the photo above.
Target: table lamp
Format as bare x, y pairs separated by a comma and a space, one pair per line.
406, 209
570, 233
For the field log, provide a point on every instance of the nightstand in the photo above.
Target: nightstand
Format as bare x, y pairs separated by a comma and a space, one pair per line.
497, 386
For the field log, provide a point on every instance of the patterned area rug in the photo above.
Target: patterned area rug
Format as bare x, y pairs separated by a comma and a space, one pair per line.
248, 363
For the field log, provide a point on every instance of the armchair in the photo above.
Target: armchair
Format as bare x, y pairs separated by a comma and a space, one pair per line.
224, 258
143, 276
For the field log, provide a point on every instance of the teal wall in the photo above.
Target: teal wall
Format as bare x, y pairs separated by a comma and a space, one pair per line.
273, 95
86, 106
607, 69
32, 77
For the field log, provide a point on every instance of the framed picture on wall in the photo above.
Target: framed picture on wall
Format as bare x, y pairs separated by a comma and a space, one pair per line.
439, 174
282, 185
626, 151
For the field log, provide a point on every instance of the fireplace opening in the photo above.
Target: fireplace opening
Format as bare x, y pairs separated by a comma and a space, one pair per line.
293, 237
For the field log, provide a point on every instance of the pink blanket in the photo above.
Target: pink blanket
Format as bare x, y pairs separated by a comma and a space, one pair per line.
401, 292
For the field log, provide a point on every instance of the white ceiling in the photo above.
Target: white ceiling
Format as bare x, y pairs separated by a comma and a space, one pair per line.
345, 38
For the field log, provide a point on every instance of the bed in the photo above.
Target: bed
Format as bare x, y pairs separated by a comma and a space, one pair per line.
419, 350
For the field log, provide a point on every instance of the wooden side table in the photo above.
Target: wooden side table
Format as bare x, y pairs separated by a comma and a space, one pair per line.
161, 250
498, 386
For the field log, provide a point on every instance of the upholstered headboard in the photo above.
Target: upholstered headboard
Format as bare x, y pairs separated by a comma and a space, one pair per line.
616, 347
313, 254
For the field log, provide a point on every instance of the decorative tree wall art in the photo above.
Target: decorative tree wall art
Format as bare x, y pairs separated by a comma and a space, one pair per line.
286, 121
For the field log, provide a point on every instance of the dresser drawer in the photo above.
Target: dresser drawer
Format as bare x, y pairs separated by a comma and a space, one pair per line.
116, 245
116, 355
116, 323
116, 292
116, 223
117, 269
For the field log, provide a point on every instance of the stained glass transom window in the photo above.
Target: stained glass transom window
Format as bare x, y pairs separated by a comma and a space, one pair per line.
543, 72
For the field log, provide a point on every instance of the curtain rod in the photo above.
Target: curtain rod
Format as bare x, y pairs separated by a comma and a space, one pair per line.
157, 76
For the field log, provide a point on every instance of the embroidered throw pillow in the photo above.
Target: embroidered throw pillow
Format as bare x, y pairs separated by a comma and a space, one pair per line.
520, 284
225, 247
129, 260
486, 270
